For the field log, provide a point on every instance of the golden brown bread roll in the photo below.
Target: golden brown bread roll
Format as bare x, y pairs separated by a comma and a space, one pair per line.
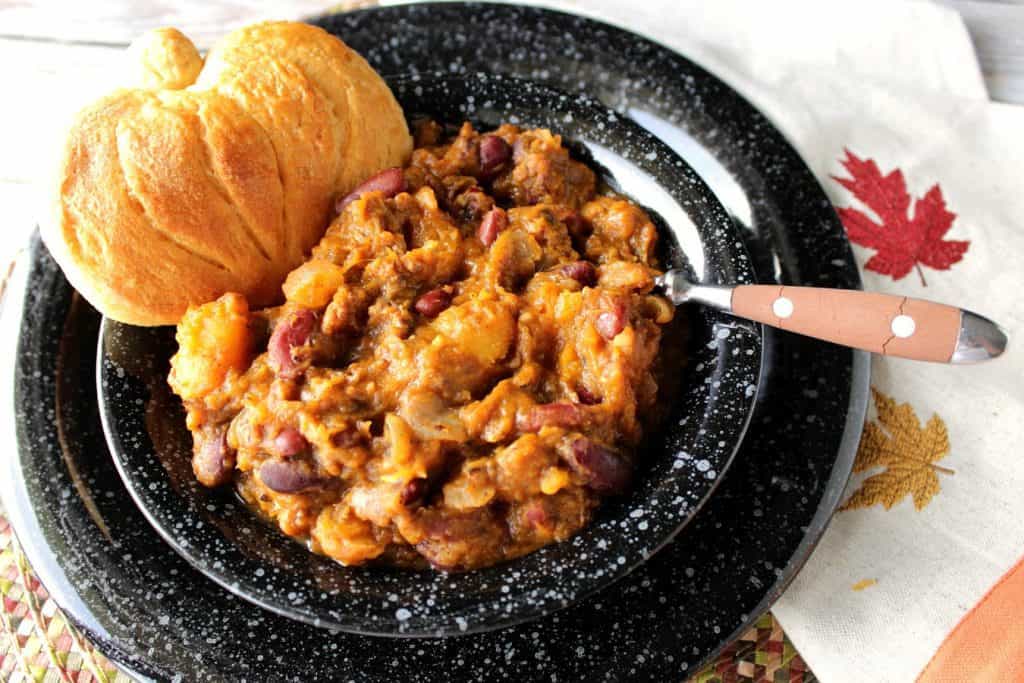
175, 192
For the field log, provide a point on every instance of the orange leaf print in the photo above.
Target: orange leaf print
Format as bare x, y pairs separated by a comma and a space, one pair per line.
906, 451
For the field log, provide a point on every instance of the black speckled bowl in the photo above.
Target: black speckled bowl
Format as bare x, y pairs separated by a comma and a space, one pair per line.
681, 464
155, 615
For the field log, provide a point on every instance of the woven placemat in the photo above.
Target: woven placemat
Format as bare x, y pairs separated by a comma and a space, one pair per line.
38, 644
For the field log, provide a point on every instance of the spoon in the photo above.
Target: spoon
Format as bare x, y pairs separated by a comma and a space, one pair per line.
888, 324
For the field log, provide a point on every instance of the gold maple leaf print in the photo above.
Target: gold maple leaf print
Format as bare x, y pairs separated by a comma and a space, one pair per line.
906, 451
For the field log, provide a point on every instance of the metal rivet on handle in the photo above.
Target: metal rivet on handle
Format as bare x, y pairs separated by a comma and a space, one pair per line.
782, 307
903, 326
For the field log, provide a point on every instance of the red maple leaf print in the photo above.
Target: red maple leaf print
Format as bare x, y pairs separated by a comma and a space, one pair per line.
902, 242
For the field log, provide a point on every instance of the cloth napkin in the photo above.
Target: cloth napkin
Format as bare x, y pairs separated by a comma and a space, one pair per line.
885, 102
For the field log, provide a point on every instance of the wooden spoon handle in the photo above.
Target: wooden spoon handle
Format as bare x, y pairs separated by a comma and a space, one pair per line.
881, 323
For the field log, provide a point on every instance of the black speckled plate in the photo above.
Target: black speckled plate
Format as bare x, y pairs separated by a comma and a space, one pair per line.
681, 463
151, 612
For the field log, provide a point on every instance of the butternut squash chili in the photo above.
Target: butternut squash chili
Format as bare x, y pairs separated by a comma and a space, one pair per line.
459, 372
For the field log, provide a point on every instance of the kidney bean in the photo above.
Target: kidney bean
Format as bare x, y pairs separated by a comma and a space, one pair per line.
290, 442
289, 476
582, 271
213, 461
288, 333
390, 181
603, 469
612, 321
567, 415
433, 302
494, 152
586, 396
494, 222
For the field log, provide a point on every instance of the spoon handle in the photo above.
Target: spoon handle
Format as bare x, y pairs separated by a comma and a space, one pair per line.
880, 323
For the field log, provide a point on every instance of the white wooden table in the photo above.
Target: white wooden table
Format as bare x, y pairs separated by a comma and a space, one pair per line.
59, 55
